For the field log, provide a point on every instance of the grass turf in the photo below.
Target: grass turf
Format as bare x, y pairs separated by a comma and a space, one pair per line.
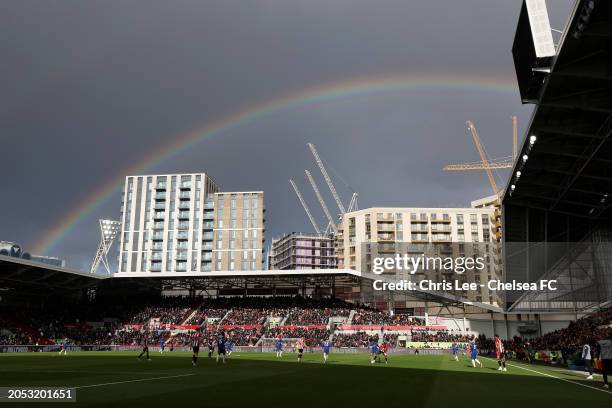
260, 379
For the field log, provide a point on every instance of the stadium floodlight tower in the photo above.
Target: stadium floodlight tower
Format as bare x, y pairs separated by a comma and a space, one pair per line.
108, 232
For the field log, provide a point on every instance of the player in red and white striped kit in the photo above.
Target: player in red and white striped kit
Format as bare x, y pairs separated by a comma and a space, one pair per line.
500, 353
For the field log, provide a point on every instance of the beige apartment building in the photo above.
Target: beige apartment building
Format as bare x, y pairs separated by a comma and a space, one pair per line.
182, 223
238, 229
382, 231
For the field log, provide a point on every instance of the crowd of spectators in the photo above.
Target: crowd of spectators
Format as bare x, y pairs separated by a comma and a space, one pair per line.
244, 337
315, 316
432, 336
50, 324
202, 315
246, 316
377, 317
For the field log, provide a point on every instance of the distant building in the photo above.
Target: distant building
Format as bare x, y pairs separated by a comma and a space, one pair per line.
49, 260
182, 223
15, 250
302, 251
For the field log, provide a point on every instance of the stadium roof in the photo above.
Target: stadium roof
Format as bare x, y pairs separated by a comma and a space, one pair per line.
29, 277
568, 163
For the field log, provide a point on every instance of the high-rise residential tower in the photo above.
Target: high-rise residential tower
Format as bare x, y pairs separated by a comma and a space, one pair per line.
182, 223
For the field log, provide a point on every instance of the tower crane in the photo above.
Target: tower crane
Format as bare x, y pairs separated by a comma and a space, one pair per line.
308, 213
486, 164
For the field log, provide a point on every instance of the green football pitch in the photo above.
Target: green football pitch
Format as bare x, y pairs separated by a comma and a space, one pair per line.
117, 379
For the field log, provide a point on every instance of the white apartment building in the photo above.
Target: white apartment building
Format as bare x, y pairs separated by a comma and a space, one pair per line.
182, 223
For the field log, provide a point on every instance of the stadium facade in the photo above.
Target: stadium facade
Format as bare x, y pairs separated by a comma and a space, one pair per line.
557, 206
183, 223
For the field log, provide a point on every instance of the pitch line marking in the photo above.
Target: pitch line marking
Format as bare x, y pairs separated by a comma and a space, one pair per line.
132, 381
559, 378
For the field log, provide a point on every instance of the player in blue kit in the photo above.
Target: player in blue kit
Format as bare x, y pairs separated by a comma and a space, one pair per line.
474, 354
325, 351
229, 346
455, 351
162, 345
279, 346
220, 346
373, 350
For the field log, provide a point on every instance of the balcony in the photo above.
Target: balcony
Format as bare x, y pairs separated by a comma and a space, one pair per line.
209, 205
155, 267
156, 257
414, 218
419, 228
420, 240
160, 186
182, 225
385, 226
183, 215
185, 185
208, 225
160, 206
158, 225
181, 256
440, 228
209, 216
207, 246
207, 236
445, 218
206, 266
441, 238
159, 215
183, 205
158, 237
185, 195
160, 196
157, 246
182, 235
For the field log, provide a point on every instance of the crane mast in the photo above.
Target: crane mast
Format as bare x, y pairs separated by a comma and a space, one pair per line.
483, 156
308, 213
328, 180
321, 201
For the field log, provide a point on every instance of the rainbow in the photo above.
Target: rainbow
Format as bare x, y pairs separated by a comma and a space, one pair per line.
474, 82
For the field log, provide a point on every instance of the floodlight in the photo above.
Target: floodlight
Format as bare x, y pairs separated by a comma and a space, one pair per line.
108, 232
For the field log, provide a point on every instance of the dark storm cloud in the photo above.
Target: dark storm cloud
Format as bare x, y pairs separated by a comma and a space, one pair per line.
90, 86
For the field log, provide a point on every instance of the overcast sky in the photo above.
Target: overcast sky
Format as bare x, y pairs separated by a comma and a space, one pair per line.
89, 87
